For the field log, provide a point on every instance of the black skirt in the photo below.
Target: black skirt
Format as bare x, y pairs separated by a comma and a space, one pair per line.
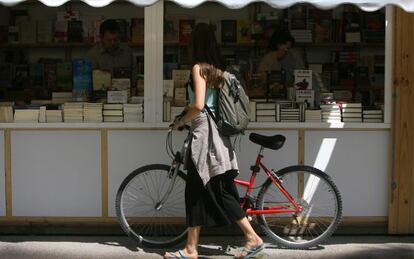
217, 204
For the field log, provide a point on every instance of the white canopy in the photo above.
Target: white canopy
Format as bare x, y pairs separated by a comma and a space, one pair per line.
366, 5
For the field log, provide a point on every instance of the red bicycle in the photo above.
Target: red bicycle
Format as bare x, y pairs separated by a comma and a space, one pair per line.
297, 207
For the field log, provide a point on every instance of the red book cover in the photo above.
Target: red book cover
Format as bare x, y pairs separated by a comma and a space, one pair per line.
185, 29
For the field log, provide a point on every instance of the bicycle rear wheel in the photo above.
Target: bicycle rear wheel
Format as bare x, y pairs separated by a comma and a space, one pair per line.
321, 202
138, 210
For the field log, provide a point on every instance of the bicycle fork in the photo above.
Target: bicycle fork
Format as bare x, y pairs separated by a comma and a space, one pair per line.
175, 167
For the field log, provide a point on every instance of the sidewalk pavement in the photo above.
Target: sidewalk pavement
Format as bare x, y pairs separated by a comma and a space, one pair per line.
105, 247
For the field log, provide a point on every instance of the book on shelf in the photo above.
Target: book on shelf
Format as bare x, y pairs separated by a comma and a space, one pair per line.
36, 73
27, 31
351, 119
42, 114
321, 22
168, 88
26, 115
228, 31
124, 29
171, 30
298, 17
166, 115
180, 96
75, 31
373, 27
13, 35
60, 33
6, 75
82, 79
313, 115
180, 77
120, 96
264, 118
137, 30
21, 76
113, 118
185, 29
252, 106
243, 31
113, 106
64, 76
351, 26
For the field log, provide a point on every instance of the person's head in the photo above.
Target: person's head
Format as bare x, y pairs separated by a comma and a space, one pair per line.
281, 41
204, 51
109, 32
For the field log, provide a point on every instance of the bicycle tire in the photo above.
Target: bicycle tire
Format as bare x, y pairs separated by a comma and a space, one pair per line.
287, 236
164, 234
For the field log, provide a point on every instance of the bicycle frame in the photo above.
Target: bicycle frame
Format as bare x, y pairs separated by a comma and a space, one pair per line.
275, 179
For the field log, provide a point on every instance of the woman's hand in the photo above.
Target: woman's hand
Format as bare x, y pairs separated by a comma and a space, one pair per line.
179, 123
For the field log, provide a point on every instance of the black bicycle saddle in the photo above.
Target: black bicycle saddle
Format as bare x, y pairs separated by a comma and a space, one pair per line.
273, 142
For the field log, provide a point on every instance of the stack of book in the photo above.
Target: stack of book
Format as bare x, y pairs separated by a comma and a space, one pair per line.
61, 97
372, 116
289, 115
73, 112
313, 115
113, 112
166, 107
6, 114
331, 113
265, 112
26, 115
302, 35
42, 114
351, 112
133, 112
53, 116
92, 112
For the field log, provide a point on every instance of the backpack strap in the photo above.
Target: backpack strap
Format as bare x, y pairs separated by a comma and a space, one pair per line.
210, 113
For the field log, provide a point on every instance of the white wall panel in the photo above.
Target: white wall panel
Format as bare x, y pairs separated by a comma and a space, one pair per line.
129, 150
56, 173
358, 162
2, 177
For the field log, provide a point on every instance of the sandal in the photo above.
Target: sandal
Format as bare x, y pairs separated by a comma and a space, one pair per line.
181, 255
250, 253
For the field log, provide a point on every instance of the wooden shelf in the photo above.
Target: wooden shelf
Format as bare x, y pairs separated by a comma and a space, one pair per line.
178, 44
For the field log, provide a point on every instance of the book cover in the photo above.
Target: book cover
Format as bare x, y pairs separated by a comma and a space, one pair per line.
36, 73
123, 26
82, 79
180, 77
171, 30
185, 29
243, 31
229, 31
75, 31
21, 76
27, 31
306, 96
64, 76
44, 31
137, 30
302, 79
298, 17
101, 79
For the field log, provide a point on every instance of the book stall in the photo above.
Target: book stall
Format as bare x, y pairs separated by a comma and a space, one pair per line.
71, 130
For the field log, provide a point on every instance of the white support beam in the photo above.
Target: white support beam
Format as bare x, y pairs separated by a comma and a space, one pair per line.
153, 62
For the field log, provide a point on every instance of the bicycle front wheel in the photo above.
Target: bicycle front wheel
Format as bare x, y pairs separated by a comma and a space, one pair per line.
319, 198
140, 213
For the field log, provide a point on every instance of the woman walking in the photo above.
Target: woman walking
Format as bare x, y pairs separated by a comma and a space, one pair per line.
211, 196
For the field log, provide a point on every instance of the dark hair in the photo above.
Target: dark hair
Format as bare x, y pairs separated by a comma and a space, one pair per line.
109, 25
279, 37
205, 52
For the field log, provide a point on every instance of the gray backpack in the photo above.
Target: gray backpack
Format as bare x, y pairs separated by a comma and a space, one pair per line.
233, 113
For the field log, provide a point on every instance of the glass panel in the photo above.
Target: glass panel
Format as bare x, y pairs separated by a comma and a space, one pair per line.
290, 61
55, 55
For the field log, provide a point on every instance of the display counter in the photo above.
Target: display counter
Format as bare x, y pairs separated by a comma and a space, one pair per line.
70, 172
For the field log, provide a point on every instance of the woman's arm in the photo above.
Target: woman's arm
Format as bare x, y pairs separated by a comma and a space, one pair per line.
199, 98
